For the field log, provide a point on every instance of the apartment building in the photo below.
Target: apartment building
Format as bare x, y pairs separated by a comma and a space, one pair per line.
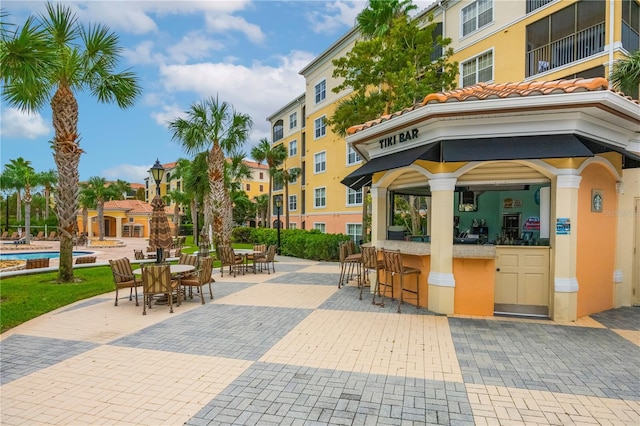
494, 41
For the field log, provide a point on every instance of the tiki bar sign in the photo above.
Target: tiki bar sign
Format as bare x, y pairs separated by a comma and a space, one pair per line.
398, 138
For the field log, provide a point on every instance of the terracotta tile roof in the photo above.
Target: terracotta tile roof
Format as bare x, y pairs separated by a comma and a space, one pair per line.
137, 185
255, 164
483, 91
170, 165
131, 206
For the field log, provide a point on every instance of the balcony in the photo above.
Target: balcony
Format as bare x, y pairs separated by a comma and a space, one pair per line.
574, 47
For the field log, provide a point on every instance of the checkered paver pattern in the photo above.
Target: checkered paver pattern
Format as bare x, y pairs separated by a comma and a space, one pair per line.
291, 348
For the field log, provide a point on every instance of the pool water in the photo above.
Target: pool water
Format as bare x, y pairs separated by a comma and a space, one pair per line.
38, 255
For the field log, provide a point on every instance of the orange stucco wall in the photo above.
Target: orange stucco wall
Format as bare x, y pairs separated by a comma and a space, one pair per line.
596, 236
424, 264
475, 286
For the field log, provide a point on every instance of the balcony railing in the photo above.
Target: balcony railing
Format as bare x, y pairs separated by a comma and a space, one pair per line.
536, 4
572, 48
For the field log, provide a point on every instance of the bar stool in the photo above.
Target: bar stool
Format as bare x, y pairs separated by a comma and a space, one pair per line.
393, 266
370, 262
348, 260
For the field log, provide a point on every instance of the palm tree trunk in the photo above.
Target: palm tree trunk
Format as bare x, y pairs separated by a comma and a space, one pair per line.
101, 220
217, 199
270, 200
18, 207
27, 215
67, 157
194, 220
176, 218
85, 219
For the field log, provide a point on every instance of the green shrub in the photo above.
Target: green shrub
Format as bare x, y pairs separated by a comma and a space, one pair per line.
312, 244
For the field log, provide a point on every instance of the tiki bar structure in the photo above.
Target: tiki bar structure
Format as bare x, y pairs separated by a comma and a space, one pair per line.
531, 193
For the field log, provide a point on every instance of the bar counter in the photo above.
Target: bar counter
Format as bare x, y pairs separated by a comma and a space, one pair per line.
460, 251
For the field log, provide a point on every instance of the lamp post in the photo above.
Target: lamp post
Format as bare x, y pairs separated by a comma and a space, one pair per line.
278, 207
157, 171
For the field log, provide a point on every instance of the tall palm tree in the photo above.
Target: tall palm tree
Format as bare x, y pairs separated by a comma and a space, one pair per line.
262, 207
98, 190
273, 156
6, 186
625, 74
48, 179
377, 18
217, 127
286, 176
46, 61
18, 168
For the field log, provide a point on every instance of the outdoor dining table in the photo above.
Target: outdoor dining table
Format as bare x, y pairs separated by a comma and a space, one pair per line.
176, 271
245, 255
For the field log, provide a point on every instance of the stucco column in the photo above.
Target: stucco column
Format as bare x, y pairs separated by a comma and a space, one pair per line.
90, 226
565, 281
440, 280
378, 214
118, 227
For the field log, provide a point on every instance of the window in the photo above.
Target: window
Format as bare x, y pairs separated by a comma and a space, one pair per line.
278, 131
354, 231
320, 162
478, 69
354, 198
261, 188
278, 185
320, 198
292, 178
320, 127
293, 148
130, 220
293, 202
352, 156
476, 15
248, 187
536, 4
293, 120
322, 227
321, 91
630, 25
293, 225
261, 175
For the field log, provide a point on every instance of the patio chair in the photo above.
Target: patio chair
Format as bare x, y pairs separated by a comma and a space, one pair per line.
229, 258
189, 259
13, 237
138, 254
393, 266
200, 278
266, 259
156, 279
5, 235
52, 236
123, 277
39, 236
42, 262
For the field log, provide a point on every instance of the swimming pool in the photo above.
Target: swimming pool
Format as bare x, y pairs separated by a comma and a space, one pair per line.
38, 255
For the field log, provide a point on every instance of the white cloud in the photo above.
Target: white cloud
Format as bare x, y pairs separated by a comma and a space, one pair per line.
257, 90
130, 17
338, 14
221, 23
143, 54
193, 45
127, 172
18, 124
168, 113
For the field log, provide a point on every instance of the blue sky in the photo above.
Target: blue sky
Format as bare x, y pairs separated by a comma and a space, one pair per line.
248, 53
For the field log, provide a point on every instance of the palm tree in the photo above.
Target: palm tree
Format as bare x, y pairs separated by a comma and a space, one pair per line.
194, 184
273, 156
6, 186
285, 177
625, 73
217, 127
18, 168
376, 19
48, 179
44, 62
98, 190
262, 208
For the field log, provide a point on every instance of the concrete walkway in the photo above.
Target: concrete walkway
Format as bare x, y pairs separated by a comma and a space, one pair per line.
291, 348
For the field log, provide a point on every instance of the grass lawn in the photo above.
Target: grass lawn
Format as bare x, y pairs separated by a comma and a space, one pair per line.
28, 296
